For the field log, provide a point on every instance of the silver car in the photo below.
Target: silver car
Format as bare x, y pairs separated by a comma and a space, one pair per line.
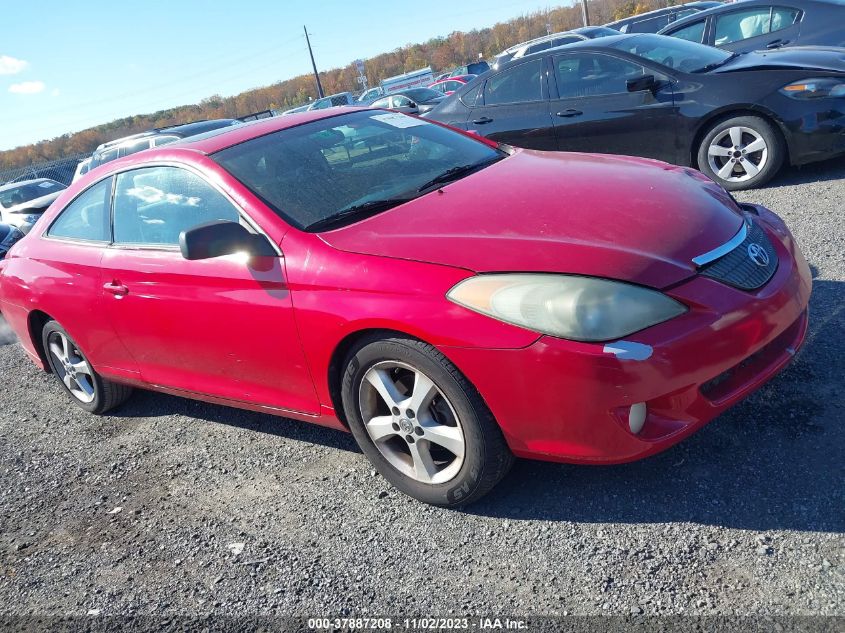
22, 203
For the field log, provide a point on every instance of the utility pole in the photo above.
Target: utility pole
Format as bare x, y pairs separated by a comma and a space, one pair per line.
585, 13
313, 65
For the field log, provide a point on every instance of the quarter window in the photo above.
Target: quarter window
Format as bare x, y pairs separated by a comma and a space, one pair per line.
515, 85
152, 206
87, 217
691, 33
586, 75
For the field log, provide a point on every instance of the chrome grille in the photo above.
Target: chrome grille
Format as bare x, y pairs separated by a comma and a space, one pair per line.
743, 267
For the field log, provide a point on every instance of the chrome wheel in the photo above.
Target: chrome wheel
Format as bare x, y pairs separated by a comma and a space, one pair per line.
737, 154
411, 422
71, 367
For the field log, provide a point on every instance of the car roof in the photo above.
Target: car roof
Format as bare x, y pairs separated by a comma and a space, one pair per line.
725, 8
21, 183
664, 10
219, 139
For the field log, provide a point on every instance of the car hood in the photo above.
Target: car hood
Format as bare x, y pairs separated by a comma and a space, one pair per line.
809, 58
617, 217
35, 205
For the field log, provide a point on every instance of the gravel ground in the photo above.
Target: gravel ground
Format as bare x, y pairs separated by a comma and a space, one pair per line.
177, 507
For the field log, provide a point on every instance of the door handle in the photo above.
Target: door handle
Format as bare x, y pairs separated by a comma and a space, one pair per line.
116, 288
483, 120
570, 112
777, 43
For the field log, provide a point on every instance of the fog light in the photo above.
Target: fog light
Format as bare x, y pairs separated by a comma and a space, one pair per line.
636, 417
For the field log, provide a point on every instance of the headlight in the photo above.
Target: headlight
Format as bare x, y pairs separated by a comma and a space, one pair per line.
815, 88
567, 306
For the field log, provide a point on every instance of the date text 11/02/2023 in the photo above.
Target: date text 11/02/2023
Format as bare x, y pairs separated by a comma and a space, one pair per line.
414, 624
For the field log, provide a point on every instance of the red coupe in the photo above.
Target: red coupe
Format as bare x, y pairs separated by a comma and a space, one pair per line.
451, 302
448, 86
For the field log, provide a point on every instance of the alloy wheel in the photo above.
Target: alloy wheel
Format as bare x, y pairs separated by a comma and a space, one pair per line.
737, 154
411, 422
72, 368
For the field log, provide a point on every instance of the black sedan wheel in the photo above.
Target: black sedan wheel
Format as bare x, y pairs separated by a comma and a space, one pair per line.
741, 152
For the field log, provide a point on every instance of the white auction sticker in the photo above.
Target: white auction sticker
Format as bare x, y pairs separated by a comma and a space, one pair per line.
398, 120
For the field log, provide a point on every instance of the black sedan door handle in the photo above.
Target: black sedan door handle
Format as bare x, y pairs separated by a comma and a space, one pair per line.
570, 112
483, 120
777, 43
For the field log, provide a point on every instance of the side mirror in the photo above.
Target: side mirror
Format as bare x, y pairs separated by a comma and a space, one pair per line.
646, 82
214, 239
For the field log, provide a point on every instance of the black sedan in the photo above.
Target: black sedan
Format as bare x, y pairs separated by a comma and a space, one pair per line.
737, 117
410, 101
757, 24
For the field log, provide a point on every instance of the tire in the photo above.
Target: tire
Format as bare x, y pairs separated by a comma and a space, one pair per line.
86, 387
439, 408
725, 149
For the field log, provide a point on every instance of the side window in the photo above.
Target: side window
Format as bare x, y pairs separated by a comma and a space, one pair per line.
741, 25
158, 141
86, 217
562, 41
152, 206
649, 25
518, 84
535, 48
682, 13
401, 102
381, 103
105, 156
588, 75
137, 146
693, 32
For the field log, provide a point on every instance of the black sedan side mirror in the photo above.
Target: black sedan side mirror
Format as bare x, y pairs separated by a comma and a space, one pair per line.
646, 82
222, 237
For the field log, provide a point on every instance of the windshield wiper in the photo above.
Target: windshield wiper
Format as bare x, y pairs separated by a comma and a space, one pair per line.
371, 207
456, 173
714, 65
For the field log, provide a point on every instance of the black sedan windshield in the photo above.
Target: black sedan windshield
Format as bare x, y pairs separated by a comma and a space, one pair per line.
675, 53
355, 164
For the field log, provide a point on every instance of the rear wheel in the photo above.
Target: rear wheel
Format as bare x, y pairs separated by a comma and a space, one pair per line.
70, 366
421, 423
741, 152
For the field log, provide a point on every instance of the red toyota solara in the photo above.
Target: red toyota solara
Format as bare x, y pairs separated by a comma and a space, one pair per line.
450, 301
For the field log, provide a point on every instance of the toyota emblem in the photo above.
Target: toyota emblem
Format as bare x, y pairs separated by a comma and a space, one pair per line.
758, 254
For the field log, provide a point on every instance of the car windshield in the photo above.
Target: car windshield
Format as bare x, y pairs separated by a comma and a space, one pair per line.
675, 53
327, 170
422, 94
30, 191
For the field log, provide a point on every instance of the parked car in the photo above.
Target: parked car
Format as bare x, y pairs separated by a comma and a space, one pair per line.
270, 268
81, 169
473, 68
737, 118
760, 24
157, 137
22, 203
653, 21
448, 86
551, 41
413, 101
9, 236
339, 99
414, 79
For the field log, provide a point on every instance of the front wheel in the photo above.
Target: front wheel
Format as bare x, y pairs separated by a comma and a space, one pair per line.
741, 152
87, 388
421, 423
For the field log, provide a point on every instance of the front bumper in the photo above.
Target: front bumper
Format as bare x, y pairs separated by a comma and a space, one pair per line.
567, 401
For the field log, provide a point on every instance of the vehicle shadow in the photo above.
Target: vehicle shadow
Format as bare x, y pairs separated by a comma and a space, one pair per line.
833, 169
772, 462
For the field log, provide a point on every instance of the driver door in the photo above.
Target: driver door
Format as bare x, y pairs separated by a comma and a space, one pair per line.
222, 327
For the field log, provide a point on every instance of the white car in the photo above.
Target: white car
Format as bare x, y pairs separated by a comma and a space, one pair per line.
81, 169
22, 203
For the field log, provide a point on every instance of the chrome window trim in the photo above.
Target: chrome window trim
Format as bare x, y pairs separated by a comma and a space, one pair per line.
724, 249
